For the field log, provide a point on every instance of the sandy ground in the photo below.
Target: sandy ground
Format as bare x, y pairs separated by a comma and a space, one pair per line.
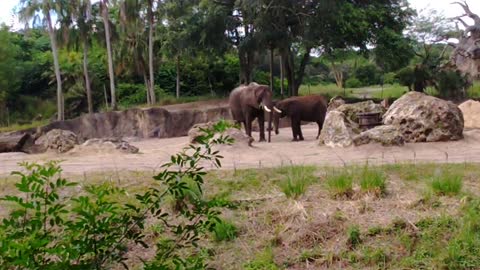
154, 152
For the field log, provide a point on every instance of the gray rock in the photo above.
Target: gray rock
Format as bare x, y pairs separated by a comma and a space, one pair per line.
107, 145
58, 140
338, 130
351, 110
423, 118
387, 135
240, 137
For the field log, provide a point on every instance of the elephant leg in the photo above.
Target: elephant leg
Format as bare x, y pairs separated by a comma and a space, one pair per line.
299, 130
261, 125
248, 125
320, 124
294, 129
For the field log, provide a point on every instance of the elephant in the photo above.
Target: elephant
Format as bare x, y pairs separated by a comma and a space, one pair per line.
248, 102
312, 108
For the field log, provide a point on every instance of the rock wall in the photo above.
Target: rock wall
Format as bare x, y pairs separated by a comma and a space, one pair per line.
140, 123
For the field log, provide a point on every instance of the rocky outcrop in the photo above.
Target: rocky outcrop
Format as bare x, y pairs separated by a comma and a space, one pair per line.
471, 113
387, 135
352, 110
58, 140
423, 118
141, 123
334, 103
338, 130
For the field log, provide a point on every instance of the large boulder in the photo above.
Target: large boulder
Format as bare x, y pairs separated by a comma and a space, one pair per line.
387, 135
13, 142
338, 130
423, 118
471, 113
58, 140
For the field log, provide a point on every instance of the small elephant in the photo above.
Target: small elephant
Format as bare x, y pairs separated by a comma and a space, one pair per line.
311, 108
248, 102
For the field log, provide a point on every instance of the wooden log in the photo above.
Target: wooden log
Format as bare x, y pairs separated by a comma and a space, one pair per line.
13, 142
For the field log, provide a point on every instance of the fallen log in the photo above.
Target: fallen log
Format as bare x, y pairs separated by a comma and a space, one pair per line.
13, 142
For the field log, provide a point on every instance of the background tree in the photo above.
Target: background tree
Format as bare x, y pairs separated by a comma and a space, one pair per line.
28, 11
106, 22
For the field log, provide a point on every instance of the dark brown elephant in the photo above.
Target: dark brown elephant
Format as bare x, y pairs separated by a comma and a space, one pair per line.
311, 108
247, 103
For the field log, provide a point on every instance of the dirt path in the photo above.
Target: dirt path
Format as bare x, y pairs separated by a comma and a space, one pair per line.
154, 152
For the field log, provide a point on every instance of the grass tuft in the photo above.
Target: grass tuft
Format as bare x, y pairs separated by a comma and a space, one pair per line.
373, 181
296, 181
447, 183
340, 184
353, 234
262, 261
224, 231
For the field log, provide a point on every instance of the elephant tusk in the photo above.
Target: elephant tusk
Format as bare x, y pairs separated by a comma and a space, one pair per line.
267, 109
277, 109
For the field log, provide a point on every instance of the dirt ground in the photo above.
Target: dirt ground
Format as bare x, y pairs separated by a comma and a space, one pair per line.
154, 152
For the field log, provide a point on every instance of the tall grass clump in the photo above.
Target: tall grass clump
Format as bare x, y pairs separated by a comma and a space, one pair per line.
296, 181
373, 181
224, 231
340, 184
447, 183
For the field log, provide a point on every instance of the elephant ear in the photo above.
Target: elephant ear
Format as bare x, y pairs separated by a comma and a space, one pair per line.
259, 91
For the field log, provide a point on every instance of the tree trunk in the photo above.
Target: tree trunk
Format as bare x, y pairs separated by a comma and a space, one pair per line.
290, 71
338, 75
147, 88
178, 76
87, 77
271, 68
282, 76
113, 98
301, 71
53, 43
150, 55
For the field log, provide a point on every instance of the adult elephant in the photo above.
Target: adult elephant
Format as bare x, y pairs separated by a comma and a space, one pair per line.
311, 108
247, 103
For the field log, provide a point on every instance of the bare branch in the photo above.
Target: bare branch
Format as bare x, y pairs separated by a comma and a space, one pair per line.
468, 12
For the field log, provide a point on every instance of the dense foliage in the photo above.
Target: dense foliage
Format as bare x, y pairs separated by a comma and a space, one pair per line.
108, 51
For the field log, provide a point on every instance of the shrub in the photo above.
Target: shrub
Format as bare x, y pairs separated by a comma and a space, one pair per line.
372, 181
368, 74
447, 183
390, 78
451, 84
224, 231
406, 77
48, 228
353, 83
340, 184
296, 181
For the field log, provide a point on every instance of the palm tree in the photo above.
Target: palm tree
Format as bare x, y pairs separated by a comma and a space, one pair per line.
80, 28
106, 22
28, 11
151, 24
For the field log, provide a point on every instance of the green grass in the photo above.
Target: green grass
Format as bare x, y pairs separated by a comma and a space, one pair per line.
262, 261
373, 180
224, 231
474, 91
391, 91
296, 181
374, 91
447, 183
16, 127
340, 184
353, 236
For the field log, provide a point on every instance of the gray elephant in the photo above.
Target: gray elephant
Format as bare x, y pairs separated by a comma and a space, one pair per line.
247, 103
311, 108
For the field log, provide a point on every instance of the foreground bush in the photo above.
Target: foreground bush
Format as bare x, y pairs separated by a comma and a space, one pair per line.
50, 227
